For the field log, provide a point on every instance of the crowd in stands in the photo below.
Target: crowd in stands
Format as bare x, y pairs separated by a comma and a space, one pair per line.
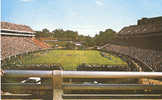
40, 43
154, 20
141, 29
12, 46
18, 27
22, 42
145, 48
144, 26
152, 58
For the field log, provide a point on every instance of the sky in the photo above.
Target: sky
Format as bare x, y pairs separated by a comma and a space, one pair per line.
88, 17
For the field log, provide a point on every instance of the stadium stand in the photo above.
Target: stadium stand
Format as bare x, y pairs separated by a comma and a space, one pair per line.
16, 27
18, 39
147, 56
144, 26
40, 43
141, 42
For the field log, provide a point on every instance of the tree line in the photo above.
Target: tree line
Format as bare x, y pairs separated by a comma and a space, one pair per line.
68, 35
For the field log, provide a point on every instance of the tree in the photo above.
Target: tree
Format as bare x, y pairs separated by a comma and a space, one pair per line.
45, 30
104, 37
67, 35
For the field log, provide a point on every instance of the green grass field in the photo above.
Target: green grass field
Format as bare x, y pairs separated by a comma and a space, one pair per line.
70, 59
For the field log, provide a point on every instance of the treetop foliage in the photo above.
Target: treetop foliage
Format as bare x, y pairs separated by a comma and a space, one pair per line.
68, 35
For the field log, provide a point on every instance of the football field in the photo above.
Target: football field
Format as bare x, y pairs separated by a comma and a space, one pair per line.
70, 59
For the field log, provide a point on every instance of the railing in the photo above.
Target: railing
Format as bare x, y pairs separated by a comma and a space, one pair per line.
59, 86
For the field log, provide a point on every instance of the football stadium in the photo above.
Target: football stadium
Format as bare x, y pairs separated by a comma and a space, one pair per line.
87, 70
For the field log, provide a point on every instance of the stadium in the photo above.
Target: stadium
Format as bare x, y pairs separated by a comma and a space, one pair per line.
132, 42
136, 48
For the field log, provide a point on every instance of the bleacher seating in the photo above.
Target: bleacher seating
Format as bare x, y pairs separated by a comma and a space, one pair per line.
141, 42
18, 27
144, 26
18, 39
150, 57
12, 46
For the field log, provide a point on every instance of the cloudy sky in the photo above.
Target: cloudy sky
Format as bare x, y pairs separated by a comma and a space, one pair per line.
88, 17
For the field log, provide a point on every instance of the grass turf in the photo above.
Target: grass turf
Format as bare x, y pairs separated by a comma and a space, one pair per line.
70, 59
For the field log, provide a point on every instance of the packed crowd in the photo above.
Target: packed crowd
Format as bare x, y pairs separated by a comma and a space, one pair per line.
146, 25
12, 46
18, 27
150, 20
152, 58
141, 29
